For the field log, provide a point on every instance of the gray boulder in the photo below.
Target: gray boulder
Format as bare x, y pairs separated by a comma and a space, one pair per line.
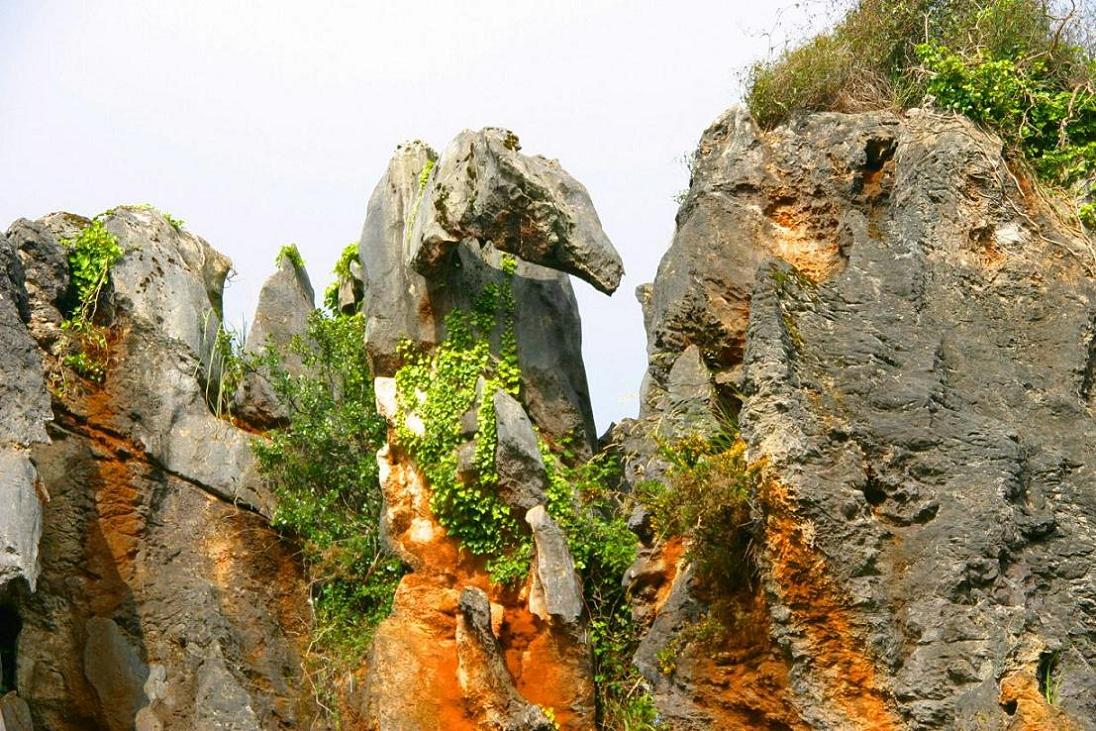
482, 188
557, 590
522, 480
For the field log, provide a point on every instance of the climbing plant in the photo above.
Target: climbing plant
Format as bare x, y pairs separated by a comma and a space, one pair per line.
585, 501
435, 390
342, 273
91, 254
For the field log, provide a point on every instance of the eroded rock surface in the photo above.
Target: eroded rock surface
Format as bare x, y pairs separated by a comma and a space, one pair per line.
285, 303
24, 411
459, 650
164, 602
910, 333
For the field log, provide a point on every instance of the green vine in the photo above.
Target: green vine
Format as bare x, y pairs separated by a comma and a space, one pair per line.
424, 177
342, 273
434, 390
91, 254
291, 254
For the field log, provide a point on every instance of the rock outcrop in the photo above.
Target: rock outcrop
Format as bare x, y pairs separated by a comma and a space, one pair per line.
285, 302
907, 330
164, 599
24, 411
472, 653
410, 293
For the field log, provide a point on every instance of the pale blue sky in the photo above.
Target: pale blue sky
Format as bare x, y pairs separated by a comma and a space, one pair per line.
266, 123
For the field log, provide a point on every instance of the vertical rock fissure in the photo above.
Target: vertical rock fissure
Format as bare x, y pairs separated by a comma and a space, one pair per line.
10, 627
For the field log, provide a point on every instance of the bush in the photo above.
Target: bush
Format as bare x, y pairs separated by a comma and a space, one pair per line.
707, 502
322, 469
91, 254
342, 273
1023, 68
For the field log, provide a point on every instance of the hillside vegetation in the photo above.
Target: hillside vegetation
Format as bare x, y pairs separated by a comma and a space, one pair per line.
1024, 68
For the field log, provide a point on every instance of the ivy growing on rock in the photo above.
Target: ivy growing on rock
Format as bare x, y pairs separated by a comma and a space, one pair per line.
91, 254
434, 391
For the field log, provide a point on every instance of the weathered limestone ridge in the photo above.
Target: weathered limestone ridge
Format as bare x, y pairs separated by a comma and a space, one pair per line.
460, 651
904, 330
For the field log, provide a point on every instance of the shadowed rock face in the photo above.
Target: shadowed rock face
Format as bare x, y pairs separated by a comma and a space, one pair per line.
162, 601
911, 332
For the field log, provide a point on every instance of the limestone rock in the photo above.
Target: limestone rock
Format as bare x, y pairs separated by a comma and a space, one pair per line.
24, 411
24, 402
482, 188
404, 303
557, 591
522, 479
483, 674
910, 337
20, 517
285, 303
152, 569
46, 271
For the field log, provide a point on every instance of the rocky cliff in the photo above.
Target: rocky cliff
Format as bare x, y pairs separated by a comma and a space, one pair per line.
884, 331
903, 331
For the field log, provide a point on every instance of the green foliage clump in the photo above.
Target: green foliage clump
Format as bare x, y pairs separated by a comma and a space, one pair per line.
584, 501
175, 223
291, 254
342, 273
1026, 102
1024, 68
707, 502
434, 390
322, 468
91, 254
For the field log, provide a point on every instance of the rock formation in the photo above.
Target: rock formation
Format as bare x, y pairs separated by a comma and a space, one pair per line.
163, 598
891, 328
907, 331
472, 653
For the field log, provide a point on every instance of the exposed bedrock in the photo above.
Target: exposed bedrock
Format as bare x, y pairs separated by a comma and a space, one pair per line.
473, 653
285, 302
908, 332
164, 600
